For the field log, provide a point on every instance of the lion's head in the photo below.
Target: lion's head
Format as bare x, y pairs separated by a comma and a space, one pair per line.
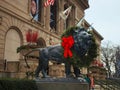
84, 49
82, 41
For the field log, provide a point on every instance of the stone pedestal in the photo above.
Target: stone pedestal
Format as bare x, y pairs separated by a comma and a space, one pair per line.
62, 84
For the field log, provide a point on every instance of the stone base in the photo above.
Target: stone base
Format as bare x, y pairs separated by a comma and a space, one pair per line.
61, 84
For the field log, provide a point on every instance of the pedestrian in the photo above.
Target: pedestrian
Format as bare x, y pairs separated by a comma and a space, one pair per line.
87, 78
92, 85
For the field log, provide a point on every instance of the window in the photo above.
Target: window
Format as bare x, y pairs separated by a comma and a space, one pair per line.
41, 42
12, 41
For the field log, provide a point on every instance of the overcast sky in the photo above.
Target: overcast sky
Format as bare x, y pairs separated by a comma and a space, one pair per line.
105, 16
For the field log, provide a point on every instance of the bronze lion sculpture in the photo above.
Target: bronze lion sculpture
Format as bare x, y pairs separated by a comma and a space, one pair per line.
82, 42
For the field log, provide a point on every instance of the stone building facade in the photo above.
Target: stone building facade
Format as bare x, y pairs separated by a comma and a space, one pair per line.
16, 18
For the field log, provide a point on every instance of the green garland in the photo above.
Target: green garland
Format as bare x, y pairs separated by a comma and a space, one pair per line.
88, 58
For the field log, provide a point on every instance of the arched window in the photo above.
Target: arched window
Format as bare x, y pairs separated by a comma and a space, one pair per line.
12, 41
41, 42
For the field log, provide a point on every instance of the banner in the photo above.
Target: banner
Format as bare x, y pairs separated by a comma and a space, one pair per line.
64, 14
49, 2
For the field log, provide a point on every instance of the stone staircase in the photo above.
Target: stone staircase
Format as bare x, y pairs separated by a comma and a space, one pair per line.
108, 84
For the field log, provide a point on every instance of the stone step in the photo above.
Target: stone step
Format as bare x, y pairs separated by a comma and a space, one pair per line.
98, 87
61, 84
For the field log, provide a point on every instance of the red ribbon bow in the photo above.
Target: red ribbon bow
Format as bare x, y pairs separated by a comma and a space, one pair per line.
67, 43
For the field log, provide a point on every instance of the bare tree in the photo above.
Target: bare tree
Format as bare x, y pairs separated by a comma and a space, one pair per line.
108, 56
117, 62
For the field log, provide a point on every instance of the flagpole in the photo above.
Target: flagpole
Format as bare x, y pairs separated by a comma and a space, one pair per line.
90, 27
80, 21
64, 15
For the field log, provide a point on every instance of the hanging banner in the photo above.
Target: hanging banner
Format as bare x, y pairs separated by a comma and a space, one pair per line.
33, 7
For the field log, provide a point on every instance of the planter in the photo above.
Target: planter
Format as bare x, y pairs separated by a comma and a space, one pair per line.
28, 50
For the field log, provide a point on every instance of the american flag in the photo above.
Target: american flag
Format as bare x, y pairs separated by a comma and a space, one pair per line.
49, 2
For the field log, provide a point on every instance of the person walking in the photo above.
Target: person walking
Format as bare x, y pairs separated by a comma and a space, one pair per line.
87, 78
92, 85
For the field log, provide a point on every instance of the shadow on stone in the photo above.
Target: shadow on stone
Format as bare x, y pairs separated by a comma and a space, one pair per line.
62, 84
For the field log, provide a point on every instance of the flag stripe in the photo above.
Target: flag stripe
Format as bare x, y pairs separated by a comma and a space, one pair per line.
49, 2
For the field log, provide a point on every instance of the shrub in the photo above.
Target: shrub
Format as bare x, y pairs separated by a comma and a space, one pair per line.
17, 84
